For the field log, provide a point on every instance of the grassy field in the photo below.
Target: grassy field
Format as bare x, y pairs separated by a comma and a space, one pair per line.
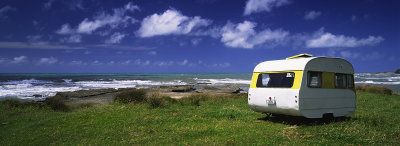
209, 121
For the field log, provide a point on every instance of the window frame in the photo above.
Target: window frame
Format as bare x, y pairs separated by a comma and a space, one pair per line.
259, 81
319, 79
350, 76
344, 75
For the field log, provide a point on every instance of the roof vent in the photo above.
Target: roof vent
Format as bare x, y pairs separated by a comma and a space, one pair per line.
304, 55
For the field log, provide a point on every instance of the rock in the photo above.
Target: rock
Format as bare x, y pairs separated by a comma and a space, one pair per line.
397, 71
178, 88
85, 93
37, 95
219, 89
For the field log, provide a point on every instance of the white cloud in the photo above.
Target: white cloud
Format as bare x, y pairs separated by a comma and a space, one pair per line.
96, 62
50, 60
87, 52
116, 19
164, 63
243, 35
76, 38
20, 59
170, 22
111, 62
126, 62
115, 38
78, 63
214, 32
353, 18
311, 15
36, 40
152, 53
3, 60
184, 62
222, 65
34, 45
65, 29
48, 4
325, 39
195, 42
256, 6
140, 62
4, 10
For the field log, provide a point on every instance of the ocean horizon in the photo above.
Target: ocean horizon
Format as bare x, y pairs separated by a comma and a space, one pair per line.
38, 86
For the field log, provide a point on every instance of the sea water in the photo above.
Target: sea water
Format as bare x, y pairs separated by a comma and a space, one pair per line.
41, 86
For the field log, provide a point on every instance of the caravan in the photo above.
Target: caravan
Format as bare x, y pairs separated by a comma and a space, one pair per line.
303, 85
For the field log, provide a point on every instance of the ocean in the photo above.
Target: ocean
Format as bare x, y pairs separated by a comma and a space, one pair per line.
41, 86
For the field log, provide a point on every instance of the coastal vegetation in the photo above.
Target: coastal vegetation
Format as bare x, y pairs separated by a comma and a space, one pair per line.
210, 119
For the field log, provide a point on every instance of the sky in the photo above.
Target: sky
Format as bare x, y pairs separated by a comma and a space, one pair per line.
196, 36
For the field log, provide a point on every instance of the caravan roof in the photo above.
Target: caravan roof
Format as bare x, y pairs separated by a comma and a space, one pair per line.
326, 64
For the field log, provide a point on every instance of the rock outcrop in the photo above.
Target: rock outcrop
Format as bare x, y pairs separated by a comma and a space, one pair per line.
85, 93
219, 89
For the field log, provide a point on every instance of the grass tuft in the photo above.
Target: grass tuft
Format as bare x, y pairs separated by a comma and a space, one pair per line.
57, 103
131, 96
374, 89
16, 103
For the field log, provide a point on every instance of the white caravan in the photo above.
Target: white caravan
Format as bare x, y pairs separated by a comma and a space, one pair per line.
303, 85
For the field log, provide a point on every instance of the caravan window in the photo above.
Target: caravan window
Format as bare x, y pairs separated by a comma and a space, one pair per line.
314, 79
275, 79
340, 80
350, 81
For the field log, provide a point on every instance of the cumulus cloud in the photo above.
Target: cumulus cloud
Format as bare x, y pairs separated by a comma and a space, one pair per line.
4, 10
20, 59
311, 15
50, 60
115, 38
323, 39
65, 29
118, 18
256, 6
243, 35
170, 22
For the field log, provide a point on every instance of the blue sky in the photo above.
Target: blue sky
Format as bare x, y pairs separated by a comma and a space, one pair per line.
198, 36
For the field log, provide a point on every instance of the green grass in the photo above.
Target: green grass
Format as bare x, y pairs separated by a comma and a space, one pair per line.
198, 121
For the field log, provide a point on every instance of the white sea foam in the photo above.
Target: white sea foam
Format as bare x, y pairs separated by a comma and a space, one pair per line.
381, 83
223, 81
125, 83
30, 81
26, 89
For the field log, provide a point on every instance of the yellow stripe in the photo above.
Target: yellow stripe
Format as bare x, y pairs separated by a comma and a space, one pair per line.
298, 75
